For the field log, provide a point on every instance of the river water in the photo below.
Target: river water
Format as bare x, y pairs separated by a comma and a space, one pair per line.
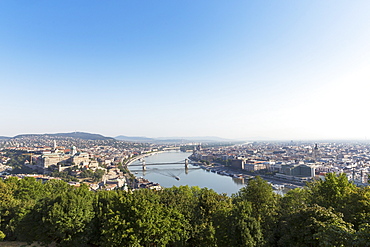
166, 175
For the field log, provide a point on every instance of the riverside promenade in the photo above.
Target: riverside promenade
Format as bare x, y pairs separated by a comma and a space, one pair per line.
130, 161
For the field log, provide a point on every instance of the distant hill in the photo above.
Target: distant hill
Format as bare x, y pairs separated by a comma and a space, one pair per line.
198, 139
134, 138
80, 135
4, 138
172, 139
84, 136
143, 139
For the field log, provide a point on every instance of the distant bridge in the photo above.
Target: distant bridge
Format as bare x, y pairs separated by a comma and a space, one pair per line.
164, 163
144, 164
171, 148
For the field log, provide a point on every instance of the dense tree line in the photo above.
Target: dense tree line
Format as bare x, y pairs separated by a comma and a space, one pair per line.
330, 212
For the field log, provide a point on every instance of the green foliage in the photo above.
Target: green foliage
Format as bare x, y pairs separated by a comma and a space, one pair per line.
8, 204
263, 202
205, 213
314, 226
98, 175
20, 197
86, 174
357, 207
293, 201
64, 219
342, 195
139, 219
334, 190
123, 168
362, 237
244, 229
17, 158
326, 213
207, 217
66, 175
95, 176
184, 200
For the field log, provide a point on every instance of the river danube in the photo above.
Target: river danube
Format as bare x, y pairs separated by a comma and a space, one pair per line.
176, 175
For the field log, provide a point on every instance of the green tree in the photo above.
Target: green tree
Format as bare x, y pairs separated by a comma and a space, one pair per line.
337, 192
209, 215
293, 201
8, 206
243, 228
20, 197
56, 187
86, 174
362, 237
139, 219
64, 219
264, 203
357, 208
206, 215
314, 226
184, 200
98, 175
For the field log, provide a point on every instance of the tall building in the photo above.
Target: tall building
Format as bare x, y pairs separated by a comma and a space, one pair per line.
73, 150
315, 153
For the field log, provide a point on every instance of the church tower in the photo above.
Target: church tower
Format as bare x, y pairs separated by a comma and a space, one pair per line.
315, 153
73, 151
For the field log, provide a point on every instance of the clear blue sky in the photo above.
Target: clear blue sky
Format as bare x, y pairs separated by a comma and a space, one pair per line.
235, 69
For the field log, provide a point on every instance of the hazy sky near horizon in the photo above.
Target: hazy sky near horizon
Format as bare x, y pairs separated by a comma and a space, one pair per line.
235, 69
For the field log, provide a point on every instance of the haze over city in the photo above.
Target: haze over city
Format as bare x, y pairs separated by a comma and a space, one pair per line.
255, 70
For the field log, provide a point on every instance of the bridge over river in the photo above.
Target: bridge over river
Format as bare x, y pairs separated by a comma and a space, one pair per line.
143, 164
164, 167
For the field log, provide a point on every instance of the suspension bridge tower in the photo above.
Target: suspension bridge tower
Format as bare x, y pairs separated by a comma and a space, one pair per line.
143, 165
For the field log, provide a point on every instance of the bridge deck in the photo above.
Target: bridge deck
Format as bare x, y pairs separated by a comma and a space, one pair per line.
169, 163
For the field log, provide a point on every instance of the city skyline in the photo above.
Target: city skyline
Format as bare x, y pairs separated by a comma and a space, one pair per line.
238, 70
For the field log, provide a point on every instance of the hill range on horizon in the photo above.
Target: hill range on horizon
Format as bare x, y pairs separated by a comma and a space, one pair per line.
173, 140
80, 135
91, 136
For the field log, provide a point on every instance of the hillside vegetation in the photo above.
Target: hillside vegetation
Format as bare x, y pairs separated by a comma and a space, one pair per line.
333, 212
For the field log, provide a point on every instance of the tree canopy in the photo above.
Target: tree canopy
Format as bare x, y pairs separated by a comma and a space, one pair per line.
330, 212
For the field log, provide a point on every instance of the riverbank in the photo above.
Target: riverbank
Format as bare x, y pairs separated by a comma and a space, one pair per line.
140, 182
130, 161
222, 170
168, 169
223, 179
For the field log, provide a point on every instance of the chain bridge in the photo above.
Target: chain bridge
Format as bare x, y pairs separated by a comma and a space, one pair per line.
144, 164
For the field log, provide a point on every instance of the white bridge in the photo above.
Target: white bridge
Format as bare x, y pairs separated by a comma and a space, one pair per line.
144, 164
